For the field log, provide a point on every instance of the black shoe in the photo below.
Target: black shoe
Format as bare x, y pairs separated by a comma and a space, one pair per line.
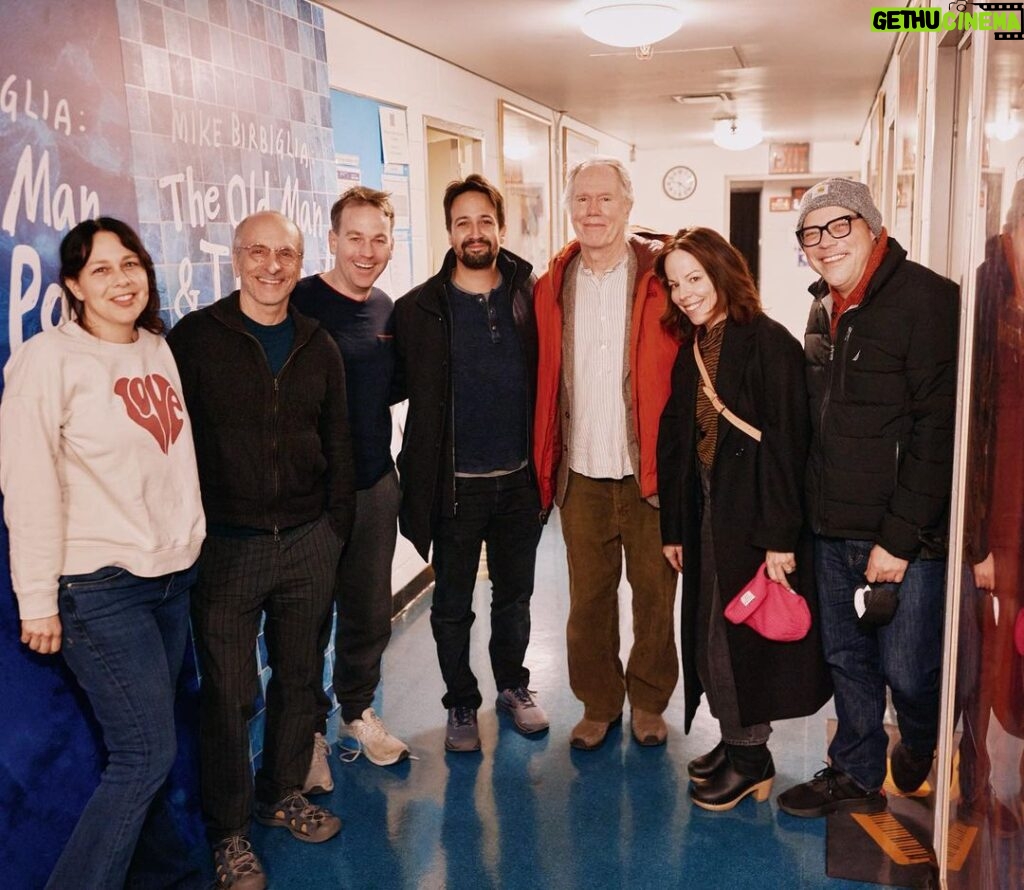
830, 791
726, 787
701, 768
909, 770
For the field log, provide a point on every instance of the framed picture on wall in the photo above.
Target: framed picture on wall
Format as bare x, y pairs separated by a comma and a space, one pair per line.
526, 183
789, 157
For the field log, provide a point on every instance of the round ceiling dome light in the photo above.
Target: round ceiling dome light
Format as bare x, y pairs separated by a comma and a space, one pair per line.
629, 24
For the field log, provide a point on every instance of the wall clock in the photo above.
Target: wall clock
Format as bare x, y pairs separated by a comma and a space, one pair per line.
679, 183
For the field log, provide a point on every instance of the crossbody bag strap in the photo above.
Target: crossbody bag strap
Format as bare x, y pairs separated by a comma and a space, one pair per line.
717, 403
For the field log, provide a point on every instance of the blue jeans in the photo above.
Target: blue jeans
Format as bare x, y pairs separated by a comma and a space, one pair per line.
905, 655
124, 640
504, 511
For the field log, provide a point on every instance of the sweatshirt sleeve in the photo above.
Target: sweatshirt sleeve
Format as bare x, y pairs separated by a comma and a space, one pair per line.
31, 416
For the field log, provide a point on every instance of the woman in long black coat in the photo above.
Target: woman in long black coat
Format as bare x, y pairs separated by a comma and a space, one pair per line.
730, 503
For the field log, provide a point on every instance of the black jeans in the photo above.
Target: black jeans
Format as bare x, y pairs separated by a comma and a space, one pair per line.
362, 593
504, 512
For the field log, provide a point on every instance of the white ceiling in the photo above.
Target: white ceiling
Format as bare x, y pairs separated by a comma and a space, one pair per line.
803, 69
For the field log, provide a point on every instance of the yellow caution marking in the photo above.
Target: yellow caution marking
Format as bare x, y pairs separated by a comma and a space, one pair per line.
961, 839
892, 838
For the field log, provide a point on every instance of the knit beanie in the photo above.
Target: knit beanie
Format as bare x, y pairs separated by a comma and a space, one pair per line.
841, 193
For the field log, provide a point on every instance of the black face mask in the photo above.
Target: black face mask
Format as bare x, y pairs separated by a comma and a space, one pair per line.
876, 605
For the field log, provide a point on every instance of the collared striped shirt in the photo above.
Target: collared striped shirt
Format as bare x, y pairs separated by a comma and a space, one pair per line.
599, 445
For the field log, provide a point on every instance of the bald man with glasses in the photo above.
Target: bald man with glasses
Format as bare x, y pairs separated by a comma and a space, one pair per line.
265, 389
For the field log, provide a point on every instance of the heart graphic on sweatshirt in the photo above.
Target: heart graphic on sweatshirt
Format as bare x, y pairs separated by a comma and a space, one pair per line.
154, 405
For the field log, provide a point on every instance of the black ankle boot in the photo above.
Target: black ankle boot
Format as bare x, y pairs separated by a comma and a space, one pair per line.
702, 768
726, 787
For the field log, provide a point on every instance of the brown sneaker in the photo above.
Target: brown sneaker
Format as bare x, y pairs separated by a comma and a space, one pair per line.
648, 729
587, 735
236, 866
306, 821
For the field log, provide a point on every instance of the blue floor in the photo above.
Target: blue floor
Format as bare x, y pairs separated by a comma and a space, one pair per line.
532, 812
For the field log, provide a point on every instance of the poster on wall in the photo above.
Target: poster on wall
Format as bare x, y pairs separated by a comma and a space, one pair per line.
373, 137
65, 156
180, 119
64, 150
230, 114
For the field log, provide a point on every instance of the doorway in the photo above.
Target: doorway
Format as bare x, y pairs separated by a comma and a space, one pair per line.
453, 152
745, 227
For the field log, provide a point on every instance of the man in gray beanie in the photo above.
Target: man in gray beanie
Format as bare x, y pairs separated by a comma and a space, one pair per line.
881, 372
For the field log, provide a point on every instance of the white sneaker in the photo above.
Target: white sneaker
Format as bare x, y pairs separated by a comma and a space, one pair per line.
319, 779
379, 745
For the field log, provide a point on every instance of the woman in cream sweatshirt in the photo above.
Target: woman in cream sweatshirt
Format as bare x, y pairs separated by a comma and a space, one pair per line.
103, 506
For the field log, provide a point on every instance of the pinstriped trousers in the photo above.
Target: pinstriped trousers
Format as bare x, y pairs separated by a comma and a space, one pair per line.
290, 579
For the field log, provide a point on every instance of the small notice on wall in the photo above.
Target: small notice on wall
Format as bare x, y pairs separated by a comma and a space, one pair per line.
393, 136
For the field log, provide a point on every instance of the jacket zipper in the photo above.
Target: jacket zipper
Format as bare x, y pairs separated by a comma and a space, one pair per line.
275, 469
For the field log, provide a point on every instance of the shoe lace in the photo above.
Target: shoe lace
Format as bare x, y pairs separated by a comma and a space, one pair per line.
321, 748
372, 728
524, 696
836, 782
239, 856
297, 806
462, 716
829, 776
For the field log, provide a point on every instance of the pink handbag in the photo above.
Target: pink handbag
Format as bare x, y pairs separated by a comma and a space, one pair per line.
771, 609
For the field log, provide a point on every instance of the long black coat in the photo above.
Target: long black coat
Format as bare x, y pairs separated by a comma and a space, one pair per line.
757, 505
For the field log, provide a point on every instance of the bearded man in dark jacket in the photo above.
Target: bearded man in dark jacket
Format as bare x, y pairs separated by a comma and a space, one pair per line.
466, 344
881, 374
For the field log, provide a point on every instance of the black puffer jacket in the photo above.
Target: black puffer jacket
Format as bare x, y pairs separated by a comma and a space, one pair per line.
273, 453
426, 464
882, 409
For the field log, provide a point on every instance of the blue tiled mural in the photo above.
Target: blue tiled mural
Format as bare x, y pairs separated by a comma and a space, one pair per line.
180, 117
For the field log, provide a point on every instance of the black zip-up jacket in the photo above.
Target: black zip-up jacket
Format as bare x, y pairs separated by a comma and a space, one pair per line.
882, 400
273, 453
426, 464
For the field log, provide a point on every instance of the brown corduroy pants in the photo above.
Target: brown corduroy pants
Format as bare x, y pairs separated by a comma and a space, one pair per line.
602, 519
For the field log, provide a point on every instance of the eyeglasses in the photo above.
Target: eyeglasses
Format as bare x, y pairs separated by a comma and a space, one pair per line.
838, 228
287, 257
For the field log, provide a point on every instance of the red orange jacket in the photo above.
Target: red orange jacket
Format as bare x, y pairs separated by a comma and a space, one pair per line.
652, 352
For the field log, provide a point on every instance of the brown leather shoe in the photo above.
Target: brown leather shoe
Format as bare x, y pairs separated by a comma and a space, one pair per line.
648, 729
590, 734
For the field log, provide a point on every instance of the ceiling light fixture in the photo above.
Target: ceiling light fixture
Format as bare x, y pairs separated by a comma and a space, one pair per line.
1005, 129
734, 135
631, 22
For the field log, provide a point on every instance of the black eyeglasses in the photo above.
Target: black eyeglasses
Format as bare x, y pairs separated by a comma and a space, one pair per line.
838, 228
288, 257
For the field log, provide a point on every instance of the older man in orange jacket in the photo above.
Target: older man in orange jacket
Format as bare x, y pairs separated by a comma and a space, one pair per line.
603, 379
